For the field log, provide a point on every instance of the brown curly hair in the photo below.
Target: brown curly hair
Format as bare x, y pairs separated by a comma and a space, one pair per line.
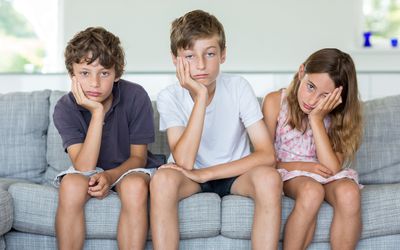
194, 25
345, 132
95, 43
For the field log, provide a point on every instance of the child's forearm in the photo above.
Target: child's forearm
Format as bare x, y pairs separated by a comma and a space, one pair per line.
239, 167
325, 154
185, 150
88, 154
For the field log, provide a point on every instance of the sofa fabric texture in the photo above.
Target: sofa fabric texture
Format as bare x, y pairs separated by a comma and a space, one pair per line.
31, 154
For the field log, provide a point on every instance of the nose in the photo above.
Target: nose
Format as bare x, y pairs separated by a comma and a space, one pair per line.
95, 81
313, 100
201, 64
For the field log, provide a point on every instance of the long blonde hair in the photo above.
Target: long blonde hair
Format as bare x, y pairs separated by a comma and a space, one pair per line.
345, 131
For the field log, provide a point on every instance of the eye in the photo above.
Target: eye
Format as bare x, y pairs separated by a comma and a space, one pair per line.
84, 73
310, 87
105, 73
189, 57
210, 54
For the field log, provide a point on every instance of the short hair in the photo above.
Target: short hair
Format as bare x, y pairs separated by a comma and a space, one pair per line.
194, 25
95, 43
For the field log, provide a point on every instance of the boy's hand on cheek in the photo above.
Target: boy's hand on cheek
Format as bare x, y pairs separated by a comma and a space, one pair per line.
81, 98
186, 80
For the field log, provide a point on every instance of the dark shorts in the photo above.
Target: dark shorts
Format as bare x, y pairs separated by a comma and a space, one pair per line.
222, 186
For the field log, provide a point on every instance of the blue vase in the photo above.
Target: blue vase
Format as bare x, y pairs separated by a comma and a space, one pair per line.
367, 37
394, 42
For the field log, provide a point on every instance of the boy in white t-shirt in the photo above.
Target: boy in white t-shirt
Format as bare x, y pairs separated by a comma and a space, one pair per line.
209, 117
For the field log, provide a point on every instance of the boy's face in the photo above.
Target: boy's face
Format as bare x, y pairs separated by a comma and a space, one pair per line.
97, 82
204, 57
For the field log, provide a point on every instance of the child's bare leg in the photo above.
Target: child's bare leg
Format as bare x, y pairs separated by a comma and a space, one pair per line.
300, 226
344, 196
133, 191
264, 185
70, 216
167, 187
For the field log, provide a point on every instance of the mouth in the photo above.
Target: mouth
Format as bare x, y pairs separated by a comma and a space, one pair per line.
93, 93
307, 107
200, 76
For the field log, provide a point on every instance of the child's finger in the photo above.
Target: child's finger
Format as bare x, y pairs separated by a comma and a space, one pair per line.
181, 70
93, 180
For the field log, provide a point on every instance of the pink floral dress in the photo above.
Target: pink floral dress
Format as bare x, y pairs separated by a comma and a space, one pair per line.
294, 145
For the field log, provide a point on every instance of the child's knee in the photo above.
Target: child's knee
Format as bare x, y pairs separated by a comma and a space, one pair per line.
267, 177
73, 189
134, 184
74, 183
164, 179
348, 197
310, 197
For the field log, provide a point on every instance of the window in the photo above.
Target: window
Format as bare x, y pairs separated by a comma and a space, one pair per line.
28, 36
382, 21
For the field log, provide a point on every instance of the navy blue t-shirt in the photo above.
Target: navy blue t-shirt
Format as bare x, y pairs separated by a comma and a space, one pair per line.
129, 121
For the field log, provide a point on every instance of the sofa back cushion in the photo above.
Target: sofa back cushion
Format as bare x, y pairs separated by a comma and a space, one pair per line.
58, 160
23, 126
378, 159
160, 146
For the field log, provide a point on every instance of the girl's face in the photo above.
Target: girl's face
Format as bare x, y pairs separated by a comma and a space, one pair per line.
313, 89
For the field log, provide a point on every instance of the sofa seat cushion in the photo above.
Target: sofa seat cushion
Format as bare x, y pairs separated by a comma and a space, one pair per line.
23, 127
6, 212
35, 208
378, 159
380, 213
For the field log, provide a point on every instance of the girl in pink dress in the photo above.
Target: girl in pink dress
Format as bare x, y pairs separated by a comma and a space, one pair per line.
317, 127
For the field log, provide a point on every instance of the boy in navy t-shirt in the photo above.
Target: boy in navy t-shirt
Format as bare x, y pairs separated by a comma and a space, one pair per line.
105, 124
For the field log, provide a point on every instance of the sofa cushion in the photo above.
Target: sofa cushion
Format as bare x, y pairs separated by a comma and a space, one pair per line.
160, 146
6, 212
35, 208
380, 205
57, 159
23, 127
378, 159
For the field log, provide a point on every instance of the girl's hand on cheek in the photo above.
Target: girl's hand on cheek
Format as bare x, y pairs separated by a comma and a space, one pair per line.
326, 105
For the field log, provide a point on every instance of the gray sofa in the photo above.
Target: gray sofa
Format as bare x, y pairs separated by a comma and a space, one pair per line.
31, 154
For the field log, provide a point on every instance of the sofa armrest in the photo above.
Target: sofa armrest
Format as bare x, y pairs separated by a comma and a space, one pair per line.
5, 183
6, 214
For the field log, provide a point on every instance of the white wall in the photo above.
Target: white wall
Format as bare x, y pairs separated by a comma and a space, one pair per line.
262, 35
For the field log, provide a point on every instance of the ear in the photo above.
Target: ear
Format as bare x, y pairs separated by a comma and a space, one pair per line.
301, 72
173, 58
223, 56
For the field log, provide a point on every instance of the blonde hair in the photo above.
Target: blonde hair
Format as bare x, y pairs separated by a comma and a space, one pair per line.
346, 129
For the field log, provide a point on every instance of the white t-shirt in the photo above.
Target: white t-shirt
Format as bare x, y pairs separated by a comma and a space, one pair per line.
233, 108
